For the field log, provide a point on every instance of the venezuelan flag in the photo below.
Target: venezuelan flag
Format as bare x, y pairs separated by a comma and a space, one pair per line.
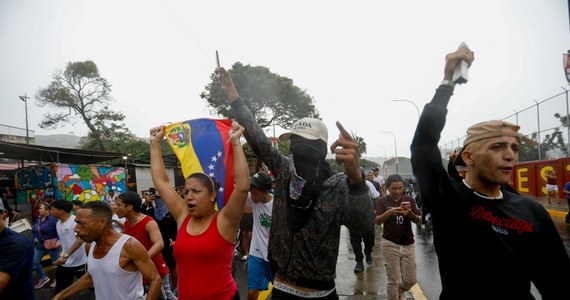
201, 146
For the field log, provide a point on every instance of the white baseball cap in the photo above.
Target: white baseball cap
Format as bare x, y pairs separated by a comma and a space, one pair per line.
309, 128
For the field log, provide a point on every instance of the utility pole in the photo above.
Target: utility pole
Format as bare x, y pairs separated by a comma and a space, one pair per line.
25, 99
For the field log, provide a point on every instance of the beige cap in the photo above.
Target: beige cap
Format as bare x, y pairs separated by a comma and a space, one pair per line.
485, 130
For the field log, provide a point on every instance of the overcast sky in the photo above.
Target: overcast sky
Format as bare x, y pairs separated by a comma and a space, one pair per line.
353, 57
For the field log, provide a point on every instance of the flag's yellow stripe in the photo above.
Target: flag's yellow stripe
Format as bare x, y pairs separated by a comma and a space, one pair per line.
183, 149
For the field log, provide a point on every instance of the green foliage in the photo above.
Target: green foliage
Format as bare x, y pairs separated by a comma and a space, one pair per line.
528, 149
361, 143
80, 89
284, 147
272, 99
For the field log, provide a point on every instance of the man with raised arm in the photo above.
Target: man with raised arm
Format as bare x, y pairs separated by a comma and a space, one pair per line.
311, 203
490, 243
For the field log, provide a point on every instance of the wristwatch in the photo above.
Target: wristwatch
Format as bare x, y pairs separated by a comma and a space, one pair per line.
65, 255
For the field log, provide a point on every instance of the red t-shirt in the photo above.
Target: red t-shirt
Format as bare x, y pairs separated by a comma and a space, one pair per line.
204, 264
139, 233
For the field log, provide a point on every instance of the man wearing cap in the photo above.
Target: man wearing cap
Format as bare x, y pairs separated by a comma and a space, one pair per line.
310, 203
490, 243
259, 270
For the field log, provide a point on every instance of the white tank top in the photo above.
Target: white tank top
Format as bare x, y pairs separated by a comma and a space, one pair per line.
109, 279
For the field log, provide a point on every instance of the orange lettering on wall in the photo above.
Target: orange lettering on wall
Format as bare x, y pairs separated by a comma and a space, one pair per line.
522, 178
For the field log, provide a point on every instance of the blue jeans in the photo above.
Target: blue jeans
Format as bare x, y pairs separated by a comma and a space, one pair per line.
39, 251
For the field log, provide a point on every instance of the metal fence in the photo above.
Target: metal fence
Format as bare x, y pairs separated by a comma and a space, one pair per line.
538, 122
15, 131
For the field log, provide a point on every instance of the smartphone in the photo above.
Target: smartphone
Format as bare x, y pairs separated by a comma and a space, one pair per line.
405, 204
152, 191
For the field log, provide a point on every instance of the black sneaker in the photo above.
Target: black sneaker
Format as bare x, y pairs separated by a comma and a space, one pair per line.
369, 259
359, 267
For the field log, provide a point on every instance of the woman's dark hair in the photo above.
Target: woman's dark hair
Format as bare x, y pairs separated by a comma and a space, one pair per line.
393, 178
208, 181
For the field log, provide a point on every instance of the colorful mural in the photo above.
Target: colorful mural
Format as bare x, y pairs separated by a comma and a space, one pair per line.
88, 182
36, 177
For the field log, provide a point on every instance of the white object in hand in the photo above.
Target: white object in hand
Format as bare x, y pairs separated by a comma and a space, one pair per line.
460, 75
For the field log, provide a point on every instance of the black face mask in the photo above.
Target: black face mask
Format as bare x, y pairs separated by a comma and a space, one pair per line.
309, 159
307, 154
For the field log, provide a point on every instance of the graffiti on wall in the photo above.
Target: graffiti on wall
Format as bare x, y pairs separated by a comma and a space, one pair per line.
36, 177
34, 183
89, 182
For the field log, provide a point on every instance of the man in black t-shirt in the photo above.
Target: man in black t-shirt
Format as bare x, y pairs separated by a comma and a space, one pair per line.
490, 243
16, 259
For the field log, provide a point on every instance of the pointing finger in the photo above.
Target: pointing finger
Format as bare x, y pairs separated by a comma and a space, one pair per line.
343, 131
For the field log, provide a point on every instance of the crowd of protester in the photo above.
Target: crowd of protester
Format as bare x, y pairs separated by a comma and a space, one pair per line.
175, 244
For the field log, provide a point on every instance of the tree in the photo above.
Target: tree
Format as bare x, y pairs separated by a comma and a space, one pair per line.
528, 149
361, 143
81, 89
272, 99
551, 144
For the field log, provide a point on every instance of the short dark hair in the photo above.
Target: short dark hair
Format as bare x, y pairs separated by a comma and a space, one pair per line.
131, 198
393, 178
77, 202
261, 181
99, 209
63, 205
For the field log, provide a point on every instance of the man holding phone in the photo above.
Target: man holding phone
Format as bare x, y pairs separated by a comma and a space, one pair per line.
397, 211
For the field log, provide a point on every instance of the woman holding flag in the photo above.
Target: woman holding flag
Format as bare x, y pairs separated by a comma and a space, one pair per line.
204, 246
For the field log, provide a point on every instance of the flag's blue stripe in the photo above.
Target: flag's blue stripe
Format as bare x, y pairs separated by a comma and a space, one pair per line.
207, 142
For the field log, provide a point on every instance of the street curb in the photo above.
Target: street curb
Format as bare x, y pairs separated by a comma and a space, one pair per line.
417, 292
557, 213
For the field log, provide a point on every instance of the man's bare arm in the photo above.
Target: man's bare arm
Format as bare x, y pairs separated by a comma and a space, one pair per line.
4, 279
60, 261
155, 238
81, 284
137, 254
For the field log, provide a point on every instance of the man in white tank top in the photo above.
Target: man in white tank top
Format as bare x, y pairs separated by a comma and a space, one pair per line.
116, 263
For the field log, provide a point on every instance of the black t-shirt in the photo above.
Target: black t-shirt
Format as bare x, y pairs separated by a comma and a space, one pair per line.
16, 258
376, 185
